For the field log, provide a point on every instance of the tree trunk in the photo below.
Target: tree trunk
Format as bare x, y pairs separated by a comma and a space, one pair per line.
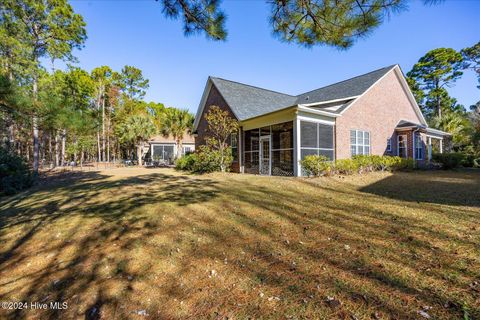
179, 148
57, 151
64, 140
50, 149
81, 158
98, 147
103, 128
36, 145
139, 154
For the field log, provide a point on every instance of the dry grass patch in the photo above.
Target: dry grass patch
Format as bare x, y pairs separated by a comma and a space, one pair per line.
140, 243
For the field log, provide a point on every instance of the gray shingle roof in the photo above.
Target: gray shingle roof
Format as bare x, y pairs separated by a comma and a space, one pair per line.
344, 89
248, 101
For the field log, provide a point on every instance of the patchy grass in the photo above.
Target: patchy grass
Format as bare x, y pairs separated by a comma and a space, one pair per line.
158, 244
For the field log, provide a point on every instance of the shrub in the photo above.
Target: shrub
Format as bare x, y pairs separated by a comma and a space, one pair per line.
211, 160
14, 173
346, 166
315, 165
449, 160
187, 162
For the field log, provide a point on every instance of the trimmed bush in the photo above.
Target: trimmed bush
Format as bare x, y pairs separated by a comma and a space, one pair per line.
449, 160
315, 165
205, 160
187, 162
14, 173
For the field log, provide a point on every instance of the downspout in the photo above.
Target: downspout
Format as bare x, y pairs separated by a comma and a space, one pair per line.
415, 146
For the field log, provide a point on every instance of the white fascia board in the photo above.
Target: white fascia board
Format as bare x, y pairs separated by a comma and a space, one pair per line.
404, 83
201, 106
304, 108
328, 101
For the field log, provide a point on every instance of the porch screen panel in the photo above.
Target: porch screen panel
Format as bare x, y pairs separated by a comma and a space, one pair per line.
251, 153
316, 139
282, 149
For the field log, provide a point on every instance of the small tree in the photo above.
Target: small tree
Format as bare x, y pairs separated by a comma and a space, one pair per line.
176, 123
220, 128
137, 129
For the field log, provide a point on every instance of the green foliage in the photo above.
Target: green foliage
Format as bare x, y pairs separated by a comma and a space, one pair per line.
315, 165
209, 159
198, 16
471, 56
220, 129
14, 173
187, 162
205, 160
437, 69
137, 128
176, 123
334, 23
456, 123
132, 82
449, 160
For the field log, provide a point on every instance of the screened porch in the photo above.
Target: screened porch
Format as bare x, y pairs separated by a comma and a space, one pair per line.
273, 149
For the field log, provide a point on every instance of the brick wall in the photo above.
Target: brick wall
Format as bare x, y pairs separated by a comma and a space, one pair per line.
377, 111
214, 99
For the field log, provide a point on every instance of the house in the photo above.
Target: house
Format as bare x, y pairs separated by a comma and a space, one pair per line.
163, 149
374, 113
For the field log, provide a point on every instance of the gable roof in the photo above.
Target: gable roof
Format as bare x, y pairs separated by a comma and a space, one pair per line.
248, 101
349, 88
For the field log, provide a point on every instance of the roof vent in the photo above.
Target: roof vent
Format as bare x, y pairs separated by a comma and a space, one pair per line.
307, 97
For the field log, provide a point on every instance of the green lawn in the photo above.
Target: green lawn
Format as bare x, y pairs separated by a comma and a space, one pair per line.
140, 243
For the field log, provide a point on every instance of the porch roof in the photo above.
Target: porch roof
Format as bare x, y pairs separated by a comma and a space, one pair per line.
404, 124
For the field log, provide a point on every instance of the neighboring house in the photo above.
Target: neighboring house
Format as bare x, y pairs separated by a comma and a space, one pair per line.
374, 113
163, 149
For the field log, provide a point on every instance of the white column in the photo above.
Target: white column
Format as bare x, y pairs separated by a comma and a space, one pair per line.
240, 149
297, 169
429, 143
441, 145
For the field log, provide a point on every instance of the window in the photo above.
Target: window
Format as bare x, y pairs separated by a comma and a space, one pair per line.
162, 152
402, 146
389, 144
418, 147
234, 145
359, 142
186, 150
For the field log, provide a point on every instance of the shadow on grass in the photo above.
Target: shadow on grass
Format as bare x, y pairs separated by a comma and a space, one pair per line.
286, 238
439, 187
113, 203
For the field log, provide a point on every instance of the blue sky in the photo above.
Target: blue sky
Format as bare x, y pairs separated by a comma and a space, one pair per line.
136, 33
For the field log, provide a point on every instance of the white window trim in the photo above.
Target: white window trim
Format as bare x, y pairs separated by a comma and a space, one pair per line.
362, 145
406, 145
389, 144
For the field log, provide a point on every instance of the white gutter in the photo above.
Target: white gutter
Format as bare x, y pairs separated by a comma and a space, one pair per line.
328, 101
302, 107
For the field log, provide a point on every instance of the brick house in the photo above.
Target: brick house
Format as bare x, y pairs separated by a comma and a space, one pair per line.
374, 113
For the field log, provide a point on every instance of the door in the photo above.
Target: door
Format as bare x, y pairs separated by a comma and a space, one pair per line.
402, 146
265, 155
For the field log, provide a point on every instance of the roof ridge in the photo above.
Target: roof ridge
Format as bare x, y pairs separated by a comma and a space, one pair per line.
252, 86
361, 75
